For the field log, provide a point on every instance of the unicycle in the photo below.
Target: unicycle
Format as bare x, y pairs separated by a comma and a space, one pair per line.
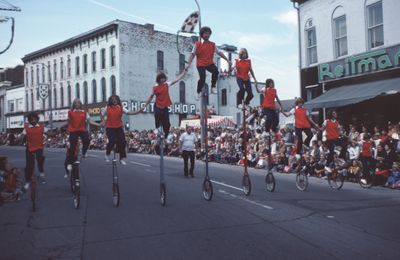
115, 186
269, 177
301, 177
34, 192
75, 184
207, 185
163, 188
246, 183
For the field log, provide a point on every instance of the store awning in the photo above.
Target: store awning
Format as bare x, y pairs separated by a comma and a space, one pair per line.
352, 94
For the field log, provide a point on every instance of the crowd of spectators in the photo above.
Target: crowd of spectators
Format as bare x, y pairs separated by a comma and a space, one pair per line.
225, 145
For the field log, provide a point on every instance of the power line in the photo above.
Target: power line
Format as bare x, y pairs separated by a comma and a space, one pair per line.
6, 6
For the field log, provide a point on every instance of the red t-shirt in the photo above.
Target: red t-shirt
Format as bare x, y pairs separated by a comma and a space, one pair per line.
204, 53
300, 115
114, 116
34, 137
77, 121
366, 149
269, 98
243, 68
162, 95
332, 129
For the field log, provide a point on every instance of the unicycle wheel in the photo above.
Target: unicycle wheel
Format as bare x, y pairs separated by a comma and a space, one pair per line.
270, 182
207, 189
301, 181
246, 184
116, 195
163, 194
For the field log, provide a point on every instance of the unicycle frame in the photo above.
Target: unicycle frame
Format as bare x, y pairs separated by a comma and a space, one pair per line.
75, 181
246, 177
115, 184
161, 138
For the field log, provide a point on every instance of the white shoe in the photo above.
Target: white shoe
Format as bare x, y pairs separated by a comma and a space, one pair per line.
27, 185
122, 162
155, 131
69, 167
85, 155
214, 90
107, 158
328, 169
363, 181
240, 106
42, 177
65, 175
198, 96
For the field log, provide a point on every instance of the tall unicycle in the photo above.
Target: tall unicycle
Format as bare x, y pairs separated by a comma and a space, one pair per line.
269, 178
207, 185
246, 183
163, 188
75, 184
116, 196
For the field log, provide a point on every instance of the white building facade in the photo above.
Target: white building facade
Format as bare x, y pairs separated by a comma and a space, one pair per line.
120, 58
345, 43
15, 107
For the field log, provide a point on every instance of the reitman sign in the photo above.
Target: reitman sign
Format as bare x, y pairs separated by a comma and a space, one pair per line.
360, 64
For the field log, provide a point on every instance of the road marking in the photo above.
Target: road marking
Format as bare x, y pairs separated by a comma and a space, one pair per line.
226, 185
141, 164
330, 216
247, 200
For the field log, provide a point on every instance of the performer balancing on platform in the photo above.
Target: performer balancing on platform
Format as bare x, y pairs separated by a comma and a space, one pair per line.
243, 68
204, 52
163, 100
114, 130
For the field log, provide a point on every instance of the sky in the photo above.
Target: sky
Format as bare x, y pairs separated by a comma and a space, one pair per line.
267, 28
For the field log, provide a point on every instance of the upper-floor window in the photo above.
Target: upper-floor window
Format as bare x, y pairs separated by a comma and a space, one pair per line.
375, 25
181, 62
43, 74
103, 58
340, 33
61, 69
69, 67
311, 42
37, 74
224, 97
112, 56
85, 63
77, 66
160, 60
32, 76
55, 70
26, 77
182, 92
94, 61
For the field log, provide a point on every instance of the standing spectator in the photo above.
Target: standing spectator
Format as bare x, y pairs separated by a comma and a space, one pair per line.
187, 146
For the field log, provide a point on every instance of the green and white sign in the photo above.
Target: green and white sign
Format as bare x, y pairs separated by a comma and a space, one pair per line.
360, 64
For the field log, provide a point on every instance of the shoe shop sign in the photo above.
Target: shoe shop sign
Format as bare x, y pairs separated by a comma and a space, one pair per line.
176, 108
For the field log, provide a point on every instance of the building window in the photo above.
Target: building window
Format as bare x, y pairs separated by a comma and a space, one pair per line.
69, 95
84, 64
103, 58
181, 62
37, 93
103, 90
85, 93
375, 25
311, 43
160, 61
77, 91
37, 74
32, 100
61, 69
94, 91
112, 56
77, 66
94, 61
69, 67
11, 106
182, 92
26, 101
31, 76
61, 95
55, 70
43, 74
48, 72
27, 77
224, 97
55, 96
113, 85
340, 33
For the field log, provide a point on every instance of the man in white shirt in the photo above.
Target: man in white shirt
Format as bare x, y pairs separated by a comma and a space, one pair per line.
187, 146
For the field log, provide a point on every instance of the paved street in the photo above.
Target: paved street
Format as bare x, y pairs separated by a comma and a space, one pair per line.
352, 223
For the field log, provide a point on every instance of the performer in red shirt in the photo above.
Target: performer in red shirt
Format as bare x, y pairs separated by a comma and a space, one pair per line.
204, 52
114, 128
302, 124
163, 100
243, 68
331, 125
77, 121
34, 132
269, 107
